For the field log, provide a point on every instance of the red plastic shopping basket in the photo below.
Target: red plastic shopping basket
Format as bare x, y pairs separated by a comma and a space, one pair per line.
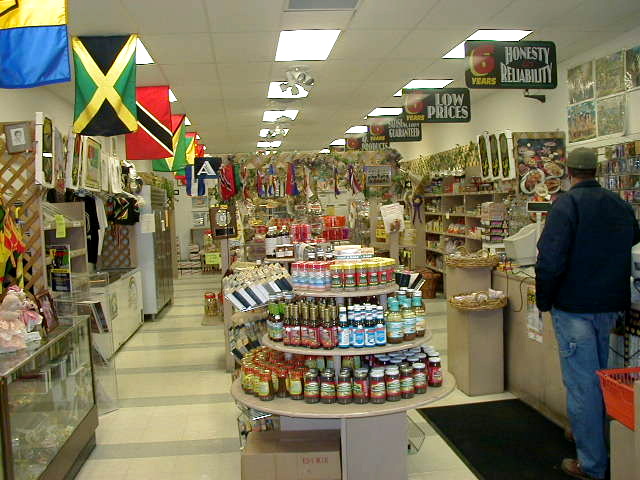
617, 388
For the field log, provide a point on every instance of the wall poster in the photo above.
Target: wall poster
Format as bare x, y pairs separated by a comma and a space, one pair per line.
580, 83
611, 115
582, 121
610, 74
541, 159
632, 69
91, 164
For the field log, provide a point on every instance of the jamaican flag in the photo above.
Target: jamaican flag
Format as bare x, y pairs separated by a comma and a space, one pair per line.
105, 70
180, 144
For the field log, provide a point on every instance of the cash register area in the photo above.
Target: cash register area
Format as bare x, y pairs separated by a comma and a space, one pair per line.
177, 420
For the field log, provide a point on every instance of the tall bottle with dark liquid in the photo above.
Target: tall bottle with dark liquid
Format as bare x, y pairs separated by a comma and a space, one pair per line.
295, 337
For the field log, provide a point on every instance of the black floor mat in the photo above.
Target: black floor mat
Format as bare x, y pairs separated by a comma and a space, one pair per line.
504, 440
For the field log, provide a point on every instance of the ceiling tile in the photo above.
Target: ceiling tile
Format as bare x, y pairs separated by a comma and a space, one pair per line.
598, 15
149, 75
366, 44
531, 15
245, 72
245, 47
244, 15
455, 13
346, 70
180, 48
243, 87
198, 91
316, 20
178, 74
385, 14
170, 17
398, 70
425, 44
97, 17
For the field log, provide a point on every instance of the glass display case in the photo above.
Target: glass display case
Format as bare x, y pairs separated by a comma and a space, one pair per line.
47, 411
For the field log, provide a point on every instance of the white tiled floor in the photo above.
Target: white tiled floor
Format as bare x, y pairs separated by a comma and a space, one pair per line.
177, 420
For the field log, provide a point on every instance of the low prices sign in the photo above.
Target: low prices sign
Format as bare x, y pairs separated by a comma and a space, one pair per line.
437, 105
511, 64
394, 129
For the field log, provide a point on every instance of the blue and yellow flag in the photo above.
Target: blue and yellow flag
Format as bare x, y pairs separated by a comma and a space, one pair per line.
34, 48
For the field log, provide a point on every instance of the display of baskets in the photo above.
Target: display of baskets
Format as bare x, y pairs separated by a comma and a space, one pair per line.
463, 259
617, 389
477, 301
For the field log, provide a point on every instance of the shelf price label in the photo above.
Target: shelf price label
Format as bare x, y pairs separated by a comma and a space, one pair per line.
61, 227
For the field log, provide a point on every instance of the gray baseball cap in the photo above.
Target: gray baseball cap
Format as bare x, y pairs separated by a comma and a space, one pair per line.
583, 159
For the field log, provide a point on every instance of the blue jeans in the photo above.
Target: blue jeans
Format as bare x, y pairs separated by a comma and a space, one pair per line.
583, 340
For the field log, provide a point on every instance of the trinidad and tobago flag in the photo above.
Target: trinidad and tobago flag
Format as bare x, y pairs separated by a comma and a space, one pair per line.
154, 138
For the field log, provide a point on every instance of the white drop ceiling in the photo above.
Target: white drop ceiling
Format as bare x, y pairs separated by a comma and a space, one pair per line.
218, 55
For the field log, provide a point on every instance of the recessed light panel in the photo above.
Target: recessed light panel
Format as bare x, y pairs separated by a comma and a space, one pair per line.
357, 129
172, 96
495, 35
424, 84
274, 115
265, 131
340, 142
295, 45
142, 55
325, 150
385, 112
187, 122
275, 144
275, 91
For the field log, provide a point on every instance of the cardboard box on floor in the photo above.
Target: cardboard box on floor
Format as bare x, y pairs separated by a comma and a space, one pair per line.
299, 455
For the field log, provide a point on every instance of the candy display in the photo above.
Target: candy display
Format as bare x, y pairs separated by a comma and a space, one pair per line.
269, 374
360, 322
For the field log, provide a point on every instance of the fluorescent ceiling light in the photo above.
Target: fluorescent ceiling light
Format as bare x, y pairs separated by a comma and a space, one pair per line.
340, 142
187, 122
325, 150
274, 144
142, 55
424, 84
296, 45
357, 129
276, 92
385, 111
274, 115
197, 137
495, 35
172, 96
265, 131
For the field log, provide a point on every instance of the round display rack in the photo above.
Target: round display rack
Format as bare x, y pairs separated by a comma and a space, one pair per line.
369, 292
320, 352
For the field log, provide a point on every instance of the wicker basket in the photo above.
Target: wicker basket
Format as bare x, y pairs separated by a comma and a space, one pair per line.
430, 287
480, 259
475, 306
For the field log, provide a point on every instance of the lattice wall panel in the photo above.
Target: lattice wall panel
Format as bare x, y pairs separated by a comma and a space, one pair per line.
18, 189
118, 249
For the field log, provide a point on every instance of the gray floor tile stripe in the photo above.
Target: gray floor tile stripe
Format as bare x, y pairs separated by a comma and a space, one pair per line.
170, 315
169, 401
180, 329
175, 346
203, 367
438, 330
166, 449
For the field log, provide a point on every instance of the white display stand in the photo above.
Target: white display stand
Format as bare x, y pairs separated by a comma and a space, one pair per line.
373, 436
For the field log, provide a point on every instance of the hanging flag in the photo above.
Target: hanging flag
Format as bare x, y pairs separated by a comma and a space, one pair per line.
179, 159
105, 70
191, 148
34, 44
188, 173
154, 138
227, 181
199, 150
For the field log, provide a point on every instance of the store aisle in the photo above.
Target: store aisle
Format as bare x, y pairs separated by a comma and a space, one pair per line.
177, 420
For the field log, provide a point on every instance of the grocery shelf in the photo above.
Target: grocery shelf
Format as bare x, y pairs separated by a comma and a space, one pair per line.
457, 235
279, 260
456, 214
300, 409
435, 250
267, 342
240, 318
433, 233
369, 292
441, 270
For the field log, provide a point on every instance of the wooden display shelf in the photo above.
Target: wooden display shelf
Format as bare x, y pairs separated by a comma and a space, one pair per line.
300, 409
456, 214
240, 318
435, 250
68, 224
437, 214
279, 260
267, 342
370, 292
440, 270
429, 232
457, 235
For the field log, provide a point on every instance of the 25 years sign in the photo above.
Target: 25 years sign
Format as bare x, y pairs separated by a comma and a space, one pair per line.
437, 105
511, 64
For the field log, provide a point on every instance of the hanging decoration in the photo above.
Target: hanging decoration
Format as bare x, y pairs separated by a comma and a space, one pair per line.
227, 182
336, 188
417, 202
292, 185
449, 162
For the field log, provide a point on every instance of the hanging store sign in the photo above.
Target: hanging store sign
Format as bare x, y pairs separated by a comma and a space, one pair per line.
363, 142
353, 143
437, 105
511, 64
394, 129
207, 167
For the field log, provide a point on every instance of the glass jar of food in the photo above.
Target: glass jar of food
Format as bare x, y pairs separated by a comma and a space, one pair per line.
377, 387
361, 275
281, 391
344, 388
407, 388
311, 387
295, 384
349, 272
361, 386
265, 386
420, 377
337, 277
392, 378
328, 386
435, 372
373, 279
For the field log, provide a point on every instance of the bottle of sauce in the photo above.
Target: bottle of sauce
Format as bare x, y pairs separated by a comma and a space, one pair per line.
435, 372
419, 312
381, 328
359, 332
314, 327
409, 319
304, 324
333, 314
294, 332
325, 331
286, 339
370, 329
395, 323
277, 329
344, 329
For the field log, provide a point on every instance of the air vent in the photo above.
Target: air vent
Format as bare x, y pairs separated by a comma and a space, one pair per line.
302, 5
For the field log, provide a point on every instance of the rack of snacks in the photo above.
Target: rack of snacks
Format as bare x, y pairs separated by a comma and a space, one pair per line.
48, 409
333, 361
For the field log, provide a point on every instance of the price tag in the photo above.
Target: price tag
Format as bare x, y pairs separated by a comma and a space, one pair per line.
212, 258
61, 227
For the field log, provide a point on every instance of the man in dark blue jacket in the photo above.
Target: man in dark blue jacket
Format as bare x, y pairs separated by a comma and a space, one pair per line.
583, 277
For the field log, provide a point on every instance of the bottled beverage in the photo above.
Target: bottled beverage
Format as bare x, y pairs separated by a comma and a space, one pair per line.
333, 313
358, 333
285, 237
395, 323
344, 329
294, 332
370, 330
419, 311
325, 331
270, 242
381, 329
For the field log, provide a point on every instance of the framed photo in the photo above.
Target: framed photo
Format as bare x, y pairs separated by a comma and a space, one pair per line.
48, 310
582, 121
44, 151
92, 159
73, 175
378, 175
611, 115
580, 83
18, 137
610, 74
541, 158
632, 68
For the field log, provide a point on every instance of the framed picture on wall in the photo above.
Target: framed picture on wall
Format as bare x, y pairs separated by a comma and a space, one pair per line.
582, 121
18, 137
611, 115
632, 68
580, 83
73, 176
610, 74
45, 167
92, 158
